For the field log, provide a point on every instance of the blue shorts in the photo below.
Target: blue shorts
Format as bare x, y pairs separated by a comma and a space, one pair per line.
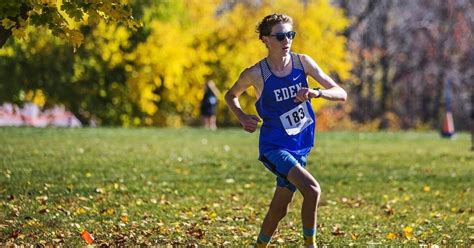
280, 162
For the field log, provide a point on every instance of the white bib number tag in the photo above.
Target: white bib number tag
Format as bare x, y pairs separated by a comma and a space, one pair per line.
297, 119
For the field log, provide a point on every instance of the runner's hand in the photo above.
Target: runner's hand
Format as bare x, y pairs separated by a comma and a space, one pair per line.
305, 94
249, 122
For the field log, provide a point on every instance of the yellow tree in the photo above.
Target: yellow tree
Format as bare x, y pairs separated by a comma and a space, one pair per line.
196, 42
169, 68
237, 47
60, 16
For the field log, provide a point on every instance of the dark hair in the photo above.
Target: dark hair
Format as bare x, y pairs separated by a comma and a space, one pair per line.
264, 28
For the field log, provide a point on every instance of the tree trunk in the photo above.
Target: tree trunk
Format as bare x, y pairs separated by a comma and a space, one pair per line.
371, 93
385, 63
4, 35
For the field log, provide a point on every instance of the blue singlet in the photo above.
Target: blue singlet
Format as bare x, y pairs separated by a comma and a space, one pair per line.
287, 124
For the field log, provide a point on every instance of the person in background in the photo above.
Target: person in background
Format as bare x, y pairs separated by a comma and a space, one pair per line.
209, 105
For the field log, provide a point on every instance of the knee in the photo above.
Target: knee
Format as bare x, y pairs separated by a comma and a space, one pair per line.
313, 192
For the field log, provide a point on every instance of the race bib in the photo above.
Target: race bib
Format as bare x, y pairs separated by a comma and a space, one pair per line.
297, 119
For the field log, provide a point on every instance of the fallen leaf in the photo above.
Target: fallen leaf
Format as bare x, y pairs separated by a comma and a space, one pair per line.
354, 236
80, 211
336, 231
195, 231
43, 211
15, 234
391, 236
42, 199
388, 209
108, 211
124, 217
213, 216
87, 237
408, 232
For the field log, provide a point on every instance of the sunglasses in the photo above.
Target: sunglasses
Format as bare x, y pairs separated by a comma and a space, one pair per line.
281, 36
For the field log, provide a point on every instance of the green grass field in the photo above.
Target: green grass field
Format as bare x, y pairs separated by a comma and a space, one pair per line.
191, 186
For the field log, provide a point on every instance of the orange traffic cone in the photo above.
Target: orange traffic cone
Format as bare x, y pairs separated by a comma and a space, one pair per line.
448, 125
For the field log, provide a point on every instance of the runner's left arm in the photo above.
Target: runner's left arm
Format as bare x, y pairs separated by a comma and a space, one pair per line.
332, 91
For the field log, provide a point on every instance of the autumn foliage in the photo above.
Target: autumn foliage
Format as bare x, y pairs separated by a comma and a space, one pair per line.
172, 65
155, 76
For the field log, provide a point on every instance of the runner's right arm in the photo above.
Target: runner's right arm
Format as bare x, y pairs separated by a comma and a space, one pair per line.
249, 122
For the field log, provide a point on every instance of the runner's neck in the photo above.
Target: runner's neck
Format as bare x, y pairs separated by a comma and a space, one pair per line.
279, 64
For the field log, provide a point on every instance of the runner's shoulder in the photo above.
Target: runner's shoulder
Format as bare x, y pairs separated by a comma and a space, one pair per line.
251, 73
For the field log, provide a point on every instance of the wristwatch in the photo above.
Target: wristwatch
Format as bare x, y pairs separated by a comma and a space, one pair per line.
317, 89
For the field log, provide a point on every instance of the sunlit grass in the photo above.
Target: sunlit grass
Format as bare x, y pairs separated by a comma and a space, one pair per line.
191, 186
